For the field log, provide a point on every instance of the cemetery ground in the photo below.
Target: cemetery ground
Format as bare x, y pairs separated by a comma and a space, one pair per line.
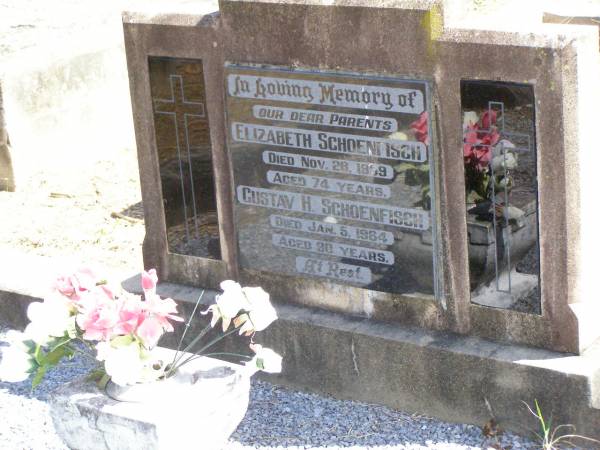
87, 207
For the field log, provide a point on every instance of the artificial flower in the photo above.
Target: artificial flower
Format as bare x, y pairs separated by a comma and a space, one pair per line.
75, 284
228, 304
488, 119
163, 310
98, 316
265, 359
123, 363
420, 128
260, 311
17, 363
48, 319
507, 161
149, 281
130, 314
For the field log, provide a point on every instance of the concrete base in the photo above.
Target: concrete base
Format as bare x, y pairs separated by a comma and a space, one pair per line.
198, 408
444, 375
521, 285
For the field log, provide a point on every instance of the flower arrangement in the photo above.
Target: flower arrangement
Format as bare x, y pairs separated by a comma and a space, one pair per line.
417, 174
119, 330
488, 160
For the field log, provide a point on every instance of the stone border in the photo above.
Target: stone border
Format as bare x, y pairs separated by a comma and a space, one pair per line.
444, 375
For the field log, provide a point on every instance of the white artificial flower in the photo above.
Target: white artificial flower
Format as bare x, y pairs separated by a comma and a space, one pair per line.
232, 300
505, 162
265, 359
50, 318
123, 364
228, 304
260, 310
398, 135
16, 364
469, 118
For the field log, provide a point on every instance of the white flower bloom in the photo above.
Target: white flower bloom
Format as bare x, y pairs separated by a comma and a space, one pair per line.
16, 364
228, 305
260, 311
399, 135
265, 359
232, 299
504, 162
469, 118
124, 364
51, 318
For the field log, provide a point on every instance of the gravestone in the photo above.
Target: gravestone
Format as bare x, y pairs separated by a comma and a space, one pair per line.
7, 176
403, 188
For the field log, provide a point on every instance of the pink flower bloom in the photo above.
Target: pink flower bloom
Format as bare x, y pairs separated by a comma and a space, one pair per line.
150, 331
149, 280
155, 319
98, 316
488, 119
131, 315
75, 284
478, 143
420, 128
163, 309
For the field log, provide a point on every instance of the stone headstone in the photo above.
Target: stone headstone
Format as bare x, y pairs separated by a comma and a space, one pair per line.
7, 176
339, 163
481, 245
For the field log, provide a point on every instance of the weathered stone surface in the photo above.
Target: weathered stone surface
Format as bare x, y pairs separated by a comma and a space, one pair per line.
560, 61
199, 408
7, 176
439, 374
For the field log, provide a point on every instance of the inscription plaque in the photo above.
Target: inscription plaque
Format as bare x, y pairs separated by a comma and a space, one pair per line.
333, 177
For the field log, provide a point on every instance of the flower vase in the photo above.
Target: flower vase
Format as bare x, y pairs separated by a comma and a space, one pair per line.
198, 407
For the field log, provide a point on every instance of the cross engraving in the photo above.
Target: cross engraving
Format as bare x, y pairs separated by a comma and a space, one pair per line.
182, 110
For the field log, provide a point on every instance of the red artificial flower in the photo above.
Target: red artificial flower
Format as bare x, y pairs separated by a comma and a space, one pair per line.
420, 128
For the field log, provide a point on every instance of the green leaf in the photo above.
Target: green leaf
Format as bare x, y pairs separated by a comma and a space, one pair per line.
54, 357
39, 376
59, 342
103, 381
31, 346
39, 355
404, 166
121, 341
95, 375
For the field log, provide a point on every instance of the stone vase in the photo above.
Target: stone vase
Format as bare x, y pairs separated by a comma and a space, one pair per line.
199, 407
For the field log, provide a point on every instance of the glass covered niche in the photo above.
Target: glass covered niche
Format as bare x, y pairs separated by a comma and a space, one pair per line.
333, 177
499, 152
184, 156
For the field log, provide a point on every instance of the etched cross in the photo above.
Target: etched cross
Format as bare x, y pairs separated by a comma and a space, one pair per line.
182, 110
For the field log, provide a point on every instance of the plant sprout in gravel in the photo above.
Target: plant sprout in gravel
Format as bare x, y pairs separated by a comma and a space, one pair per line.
84, 314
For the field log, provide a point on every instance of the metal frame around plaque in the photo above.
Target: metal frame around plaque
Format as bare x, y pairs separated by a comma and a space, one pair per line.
286, 107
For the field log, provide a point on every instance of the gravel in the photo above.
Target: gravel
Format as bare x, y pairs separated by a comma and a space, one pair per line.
277, 418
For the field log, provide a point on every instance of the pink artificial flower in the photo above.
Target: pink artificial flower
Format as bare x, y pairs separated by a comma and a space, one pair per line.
163, 309
98, 315
155, 319
420, 128
478, 142
149, 280
470, 139
73, 285
488, 119
131, 315
150, 331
